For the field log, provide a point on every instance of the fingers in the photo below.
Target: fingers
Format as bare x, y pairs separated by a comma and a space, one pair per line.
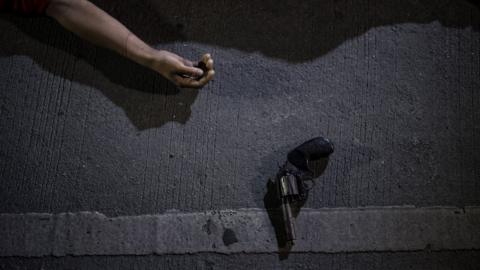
205, 63
207, 59
186, 82
206, 78
210, 64
188, 75
190, 71
186, 62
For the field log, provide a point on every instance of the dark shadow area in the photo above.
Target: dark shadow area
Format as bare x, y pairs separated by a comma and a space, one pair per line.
475, 3
289, 30
148, 99
301, 31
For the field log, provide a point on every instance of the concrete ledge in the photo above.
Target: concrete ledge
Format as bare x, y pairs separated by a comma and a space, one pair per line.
239, 231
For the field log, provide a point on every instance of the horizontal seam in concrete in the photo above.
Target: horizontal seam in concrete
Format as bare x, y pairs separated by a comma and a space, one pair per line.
328, 230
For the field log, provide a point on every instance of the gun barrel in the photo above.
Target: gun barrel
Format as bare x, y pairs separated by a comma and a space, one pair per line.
288, 220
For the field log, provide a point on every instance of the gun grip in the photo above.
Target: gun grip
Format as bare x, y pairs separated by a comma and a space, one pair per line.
313, 149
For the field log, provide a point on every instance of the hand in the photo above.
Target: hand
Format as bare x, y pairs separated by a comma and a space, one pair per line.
183, 72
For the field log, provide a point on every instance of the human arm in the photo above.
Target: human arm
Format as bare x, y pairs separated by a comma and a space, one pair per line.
93, 24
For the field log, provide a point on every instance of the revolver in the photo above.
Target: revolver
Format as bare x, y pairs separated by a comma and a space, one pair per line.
291, 180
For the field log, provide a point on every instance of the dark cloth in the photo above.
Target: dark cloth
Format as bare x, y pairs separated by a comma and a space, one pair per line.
26, 7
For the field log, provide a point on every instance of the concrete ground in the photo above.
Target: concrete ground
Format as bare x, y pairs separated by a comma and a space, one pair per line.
394, 84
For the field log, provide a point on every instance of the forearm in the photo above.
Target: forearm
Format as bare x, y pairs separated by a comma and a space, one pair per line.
93, 24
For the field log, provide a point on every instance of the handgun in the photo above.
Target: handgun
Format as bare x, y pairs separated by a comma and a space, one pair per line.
291, 187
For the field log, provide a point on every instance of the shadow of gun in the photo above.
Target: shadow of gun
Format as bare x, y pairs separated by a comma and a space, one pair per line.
288, 191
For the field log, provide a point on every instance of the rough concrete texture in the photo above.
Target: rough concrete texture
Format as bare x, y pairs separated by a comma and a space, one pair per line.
394, 84
241, 231
466, 260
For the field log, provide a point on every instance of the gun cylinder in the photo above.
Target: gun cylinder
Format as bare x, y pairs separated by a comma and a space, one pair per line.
288, 186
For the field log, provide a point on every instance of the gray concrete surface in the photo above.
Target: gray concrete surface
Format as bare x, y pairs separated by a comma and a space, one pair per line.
445, 260
332, 230
394, 84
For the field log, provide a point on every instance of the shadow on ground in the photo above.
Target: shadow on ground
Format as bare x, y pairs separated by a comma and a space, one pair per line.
304, 164
290, 30
148, 99
301, 31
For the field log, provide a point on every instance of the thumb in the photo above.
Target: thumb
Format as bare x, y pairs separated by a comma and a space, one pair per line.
190, 71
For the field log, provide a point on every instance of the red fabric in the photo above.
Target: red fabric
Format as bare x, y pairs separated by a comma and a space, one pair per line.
27, 7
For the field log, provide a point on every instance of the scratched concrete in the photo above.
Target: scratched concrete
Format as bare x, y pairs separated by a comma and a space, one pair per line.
328, 230
467, 260
394, 84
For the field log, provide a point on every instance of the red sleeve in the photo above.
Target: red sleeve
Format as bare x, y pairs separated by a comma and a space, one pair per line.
27, 7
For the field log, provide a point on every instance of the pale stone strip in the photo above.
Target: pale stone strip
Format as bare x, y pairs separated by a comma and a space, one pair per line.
245, 230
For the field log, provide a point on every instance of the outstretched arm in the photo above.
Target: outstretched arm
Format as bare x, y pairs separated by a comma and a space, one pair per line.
93, 24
